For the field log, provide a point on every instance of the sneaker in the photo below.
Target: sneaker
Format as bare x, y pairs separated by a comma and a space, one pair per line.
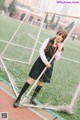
16, 103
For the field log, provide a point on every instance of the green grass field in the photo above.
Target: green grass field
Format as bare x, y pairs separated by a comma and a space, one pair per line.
66, 74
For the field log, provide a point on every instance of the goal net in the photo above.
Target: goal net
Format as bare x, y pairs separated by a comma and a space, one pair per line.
18, 36
19, 48
18, 40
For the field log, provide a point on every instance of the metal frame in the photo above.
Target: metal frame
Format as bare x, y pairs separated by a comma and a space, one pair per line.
66, 108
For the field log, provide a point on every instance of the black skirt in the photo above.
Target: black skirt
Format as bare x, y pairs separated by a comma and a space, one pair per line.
38, 67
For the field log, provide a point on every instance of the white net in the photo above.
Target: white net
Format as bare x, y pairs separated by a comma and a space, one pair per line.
20, 38
20, 48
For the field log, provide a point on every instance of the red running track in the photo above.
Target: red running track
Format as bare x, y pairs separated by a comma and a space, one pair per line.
6, 105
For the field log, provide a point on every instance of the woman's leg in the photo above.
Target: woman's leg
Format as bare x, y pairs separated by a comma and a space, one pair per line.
24, 88
37, 90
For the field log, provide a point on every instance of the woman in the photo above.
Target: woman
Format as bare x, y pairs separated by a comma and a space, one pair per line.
47, 50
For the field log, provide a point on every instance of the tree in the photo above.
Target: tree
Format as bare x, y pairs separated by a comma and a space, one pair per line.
69, 27
58, 19
53, 25
2, 4
12, 8
45, 21
53, 18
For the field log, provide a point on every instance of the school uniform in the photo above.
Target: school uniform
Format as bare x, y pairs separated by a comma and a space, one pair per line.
42, 60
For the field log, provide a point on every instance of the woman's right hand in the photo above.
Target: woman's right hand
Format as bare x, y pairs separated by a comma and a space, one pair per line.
48, 65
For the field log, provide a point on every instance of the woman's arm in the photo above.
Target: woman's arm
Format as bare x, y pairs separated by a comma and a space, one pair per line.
42, 53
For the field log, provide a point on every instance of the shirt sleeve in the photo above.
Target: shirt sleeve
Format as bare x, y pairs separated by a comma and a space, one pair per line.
42, 52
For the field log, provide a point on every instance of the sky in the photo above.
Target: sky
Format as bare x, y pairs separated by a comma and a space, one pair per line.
53, 6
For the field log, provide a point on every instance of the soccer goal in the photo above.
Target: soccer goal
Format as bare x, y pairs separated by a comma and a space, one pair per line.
66, 92
18, 41
20, 48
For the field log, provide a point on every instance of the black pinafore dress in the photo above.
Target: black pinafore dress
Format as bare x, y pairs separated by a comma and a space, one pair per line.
39, 66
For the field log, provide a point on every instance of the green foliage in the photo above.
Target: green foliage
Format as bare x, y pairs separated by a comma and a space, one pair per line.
57, 21
2, 4
45, 21
70, 26
54, 25
12, 8
52, 20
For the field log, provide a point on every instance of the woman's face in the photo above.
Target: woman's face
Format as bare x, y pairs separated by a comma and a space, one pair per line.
59, 38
